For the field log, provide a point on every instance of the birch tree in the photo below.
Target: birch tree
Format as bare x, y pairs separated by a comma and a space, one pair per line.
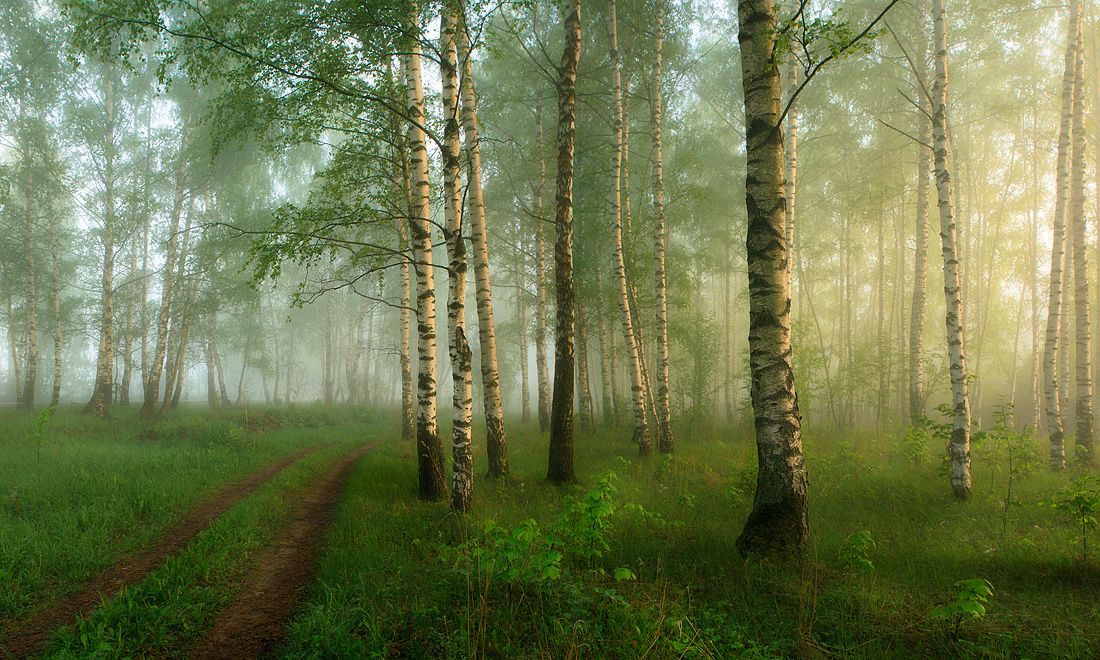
461, 360
1076, 219
778, 522
634, 351
428, 446
1053, 341
560, 463
956, 347
496, 442
662, 406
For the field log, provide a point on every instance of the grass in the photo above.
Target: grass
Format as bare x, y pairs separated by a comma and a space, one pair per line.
404, 578
398, 578
93, 490
169, 610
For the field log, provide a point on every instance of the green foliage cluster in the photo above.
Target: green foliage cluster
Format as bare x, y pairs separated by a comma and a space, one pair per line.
969, 603
525, 554
1080, 503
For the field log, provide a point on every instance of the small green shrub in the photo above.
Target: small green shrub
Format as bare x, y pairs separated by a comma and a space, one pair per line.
969, 603
856, 551
1080, 502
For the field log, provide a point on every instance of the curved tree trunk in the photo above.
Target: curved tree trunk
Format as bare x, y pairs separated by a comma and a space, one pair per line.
633, 349
156, 366
662, 407
778, 523
956, 344
429, 449
560, 463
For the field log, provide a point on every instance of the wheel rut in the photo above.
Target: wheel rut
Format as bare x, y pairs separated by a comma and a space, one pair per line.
30, 637
253, 624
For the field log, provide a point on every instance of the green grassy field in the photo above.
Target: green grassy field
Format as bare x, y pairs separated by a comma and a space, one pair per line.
637, 560
402, 578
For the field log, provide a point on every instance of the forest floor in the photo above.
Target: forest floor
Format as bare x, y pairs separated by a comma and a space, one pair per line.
204, 536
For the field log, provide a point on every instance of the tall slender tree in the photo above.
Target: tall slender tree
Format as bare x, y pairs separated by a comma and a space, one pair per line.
560, 464
1053, 343
956, 345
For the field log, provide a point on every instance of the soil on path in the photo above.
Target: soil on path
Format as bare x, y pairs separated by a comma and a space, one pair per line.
253, 624
29, 638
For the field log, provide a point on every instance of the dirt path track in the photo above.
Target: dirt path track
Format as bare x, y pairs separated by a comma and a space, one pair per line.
252, 625
30, 637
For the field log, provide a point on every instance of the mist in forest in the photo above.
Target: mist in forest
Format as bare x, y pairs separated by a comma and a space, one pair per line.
720, 246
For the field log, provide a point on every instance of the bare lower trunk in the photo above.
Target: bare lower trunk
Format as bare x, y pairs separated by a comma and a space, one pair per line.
521, 335
608, 412
584, 385
13, 349
405, 342
560, 463
55, 300
542, 312
211, 370
496, 442
956, 345
31, 383
778, 521
920, 283
128, 335
429, 448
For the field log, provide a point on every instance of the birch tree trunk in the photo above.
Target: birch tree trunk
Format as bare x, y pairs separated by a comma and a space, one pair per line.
496, 442
156, 366
956, 348
560, 462
104, 373
31, 383
1082, 316
521, 335
727, 353
584, 384
920, 281
211, 370
429, 448
542, 311
1053, 344
662, 407
55, 299
791, 161
13, 348
128, 336
461, 359
633, 350
608, 412
405, 342
778, 522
